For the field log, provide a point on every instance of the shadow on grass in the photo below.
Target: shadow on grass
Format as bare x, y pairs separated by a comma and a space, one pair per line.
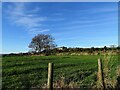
117, 87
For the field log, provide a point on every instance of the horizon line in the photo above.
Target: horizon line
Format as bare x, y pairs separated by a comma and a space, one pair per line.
67, 47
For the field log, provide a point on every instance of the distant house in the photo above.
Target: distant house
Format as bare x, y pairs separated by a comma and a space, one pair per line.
113, 46
60, 48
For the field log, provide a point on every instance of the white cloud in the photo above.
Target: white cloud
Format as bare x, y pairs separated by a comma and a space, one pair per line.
30, 22
29, 19
36, 31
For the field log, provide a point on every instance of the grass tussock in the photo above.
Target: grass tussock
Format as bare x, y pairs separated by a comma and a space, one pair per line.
109, 70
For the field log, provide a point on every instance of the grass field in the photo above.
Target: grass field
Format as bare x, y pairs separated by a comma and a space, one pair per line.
69, 71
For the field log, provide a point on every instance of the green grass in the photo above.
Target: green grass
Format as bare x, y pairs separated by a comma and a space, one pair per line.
31, 71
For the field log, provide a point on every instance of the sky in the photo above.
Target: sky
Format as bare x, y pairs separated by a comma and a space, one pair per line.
72, 24
60, 0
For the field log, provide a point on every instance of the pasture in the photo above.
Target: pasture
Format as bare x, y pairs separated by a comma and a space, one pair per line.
69, 71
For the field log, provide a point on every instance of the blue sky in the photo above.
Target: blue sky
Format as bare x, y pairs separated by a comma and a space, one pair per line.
83, 24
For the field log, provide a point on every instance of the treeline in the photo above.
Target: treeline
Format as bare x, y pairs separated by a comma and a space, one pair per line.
55, 51
82, 50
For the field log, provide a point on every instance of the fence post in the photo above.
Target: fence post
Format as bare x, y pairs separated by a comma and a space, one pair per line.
50, 76
100, 74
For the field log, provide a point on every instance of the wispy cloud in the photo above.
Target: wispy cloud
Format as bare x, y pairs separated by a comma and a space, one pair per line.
100, 10
20, 15
83, 20
84, 24
36, 30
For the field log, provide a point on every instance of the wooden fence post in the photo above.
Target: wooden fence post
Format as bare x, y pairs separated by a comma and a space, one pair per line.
50, 76
100, 74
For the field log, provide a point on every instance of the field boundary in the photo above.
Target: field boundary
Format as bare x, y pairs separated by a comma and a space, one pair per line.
99, 75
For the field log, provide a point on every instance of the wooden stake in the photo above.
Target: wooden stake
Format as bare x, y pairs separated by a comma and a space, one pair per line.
50, 76
100, 74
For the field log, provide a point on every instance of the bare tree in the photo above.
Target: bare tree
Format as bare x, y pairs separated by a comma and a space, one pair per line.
42, 42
